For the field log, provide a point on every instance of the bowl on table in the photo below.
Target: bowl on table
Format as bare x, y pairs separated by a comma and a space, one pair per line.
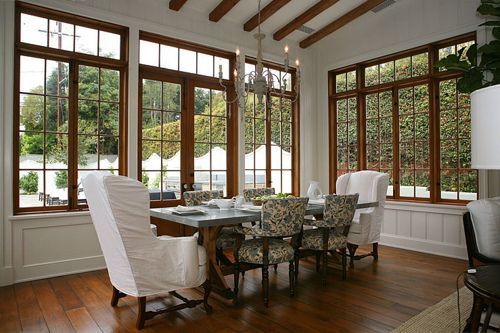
224, 204
257, 202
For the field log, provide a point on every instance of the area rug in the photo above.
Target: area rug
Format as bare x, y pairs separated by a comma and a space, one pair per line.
441, 317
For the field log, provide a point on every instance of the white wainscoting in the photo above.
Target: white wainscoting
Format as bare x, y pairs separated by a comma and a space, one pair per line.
435, 229
54, 245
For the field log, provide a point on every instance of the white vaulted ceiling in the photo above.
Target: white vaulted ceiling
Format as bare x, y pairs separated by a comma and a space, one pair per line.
246, 9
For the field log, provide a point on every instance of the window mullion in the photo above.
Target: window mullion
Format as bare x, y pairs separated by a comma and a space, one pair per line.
395, 145
73, 136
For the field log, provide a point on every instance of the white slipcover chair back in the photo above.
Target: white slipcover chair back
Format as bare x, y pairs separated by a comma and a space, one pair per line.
139, 264
485, 215
371, 186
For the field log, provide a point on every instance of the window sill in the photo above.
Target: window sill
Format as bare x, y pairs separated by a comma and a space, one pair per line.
426, 207
39, 216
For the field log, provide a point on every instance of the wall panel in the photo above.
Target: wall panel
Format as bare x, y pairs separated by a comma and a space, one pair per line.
435, 229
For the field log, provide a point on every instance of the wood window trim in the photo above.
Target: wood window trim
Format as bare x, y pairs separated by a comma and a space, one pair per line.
190, 80
73, 59
170, 41
432, 79
295, 126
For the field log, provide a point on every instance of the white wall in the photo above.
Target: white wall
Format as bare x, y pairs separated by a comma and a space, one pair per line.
53, 244
406, 24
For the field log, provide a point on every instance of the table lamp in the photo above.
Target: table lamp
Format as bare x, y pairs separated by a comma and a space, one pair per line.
485, 128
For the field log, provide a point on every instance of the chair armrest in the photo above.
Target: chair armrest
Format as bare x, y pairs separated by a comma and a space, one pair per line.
316, 223
154, 229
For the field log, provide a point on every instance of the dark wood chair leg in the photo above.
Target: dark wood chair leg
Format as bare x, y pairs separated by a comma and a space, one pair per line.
375, 251
115, 297
275, 267
318, 259
325, 266
344, 263
207, 288
236, 278
141, 314
265, 284
352, 250
291, 276
296, 266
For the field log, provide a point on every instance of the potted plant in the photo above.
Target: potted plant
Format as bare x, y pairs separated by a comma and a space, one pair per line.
483, 73
481, 78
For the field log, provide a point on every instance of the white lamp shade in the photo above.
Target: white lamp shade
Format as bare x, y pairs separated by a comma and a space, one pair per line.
485, 128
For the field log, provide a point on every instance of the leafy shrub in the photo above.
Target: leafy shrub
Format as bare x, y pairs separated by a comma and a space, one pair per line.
61, 179
29, 183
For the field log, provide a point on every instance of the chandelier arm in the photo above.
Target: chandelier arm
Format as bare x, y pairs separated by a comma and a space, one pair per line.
224, 96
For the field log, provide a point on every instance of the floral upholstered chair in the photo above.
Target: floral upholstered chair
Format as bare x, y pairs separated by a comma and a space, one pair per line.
330, 233
252, 193
280, 218
196, 198
227, 235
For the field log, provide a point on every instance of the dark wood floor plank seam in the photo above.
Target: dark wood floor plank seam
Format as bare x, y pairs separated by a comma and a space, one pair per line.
30, 314
9, 312
54, 314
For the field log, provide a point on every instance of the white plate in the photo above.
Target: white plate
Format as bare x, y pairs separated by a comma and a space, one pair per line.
187, 211
251, 207
317, 201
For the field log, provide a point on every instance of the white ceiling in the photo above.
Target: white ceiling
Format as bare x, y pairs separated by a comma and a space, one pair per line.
245, 9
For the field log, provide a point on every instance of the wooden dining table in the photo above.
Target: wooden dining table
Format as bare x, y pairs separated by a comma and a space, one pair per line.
209, 225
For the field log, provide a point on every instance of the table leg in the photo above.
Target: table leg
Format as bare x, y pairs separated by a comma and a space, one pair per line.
477, 309
214, 273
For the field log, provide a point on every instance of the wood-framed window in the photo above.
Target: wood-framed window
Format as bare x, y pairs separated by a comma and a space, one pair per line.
187, 131
272, 136
69, 106
401, 115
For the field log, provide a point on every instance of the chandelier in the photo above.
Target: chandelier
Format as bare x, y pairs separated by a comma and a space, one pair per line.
260, 81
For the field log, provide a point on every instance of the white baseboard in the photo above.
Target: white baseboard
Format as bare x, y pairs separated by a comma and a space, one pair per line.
6, 276
425, 246
58, 268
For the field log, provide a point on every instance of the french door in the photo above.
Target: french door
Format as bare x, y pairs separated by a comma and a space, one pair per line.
187, 137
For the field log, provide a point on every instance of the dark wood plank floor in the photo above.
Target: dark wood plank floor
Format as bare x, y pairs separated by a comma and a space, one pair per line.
375, 298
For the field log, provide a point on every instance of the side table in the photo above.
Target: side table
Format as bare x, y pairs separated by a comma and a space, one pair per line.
485, 285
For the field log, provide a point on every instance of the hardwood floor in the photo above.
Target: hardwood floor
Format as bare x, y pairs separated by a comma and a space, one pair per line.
374, 298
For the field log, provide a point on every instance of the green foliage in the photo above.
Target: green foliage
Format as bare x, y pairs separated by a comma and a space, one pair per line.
487, 72
145, 179
55, 113
61, 179
29, 183
156, 182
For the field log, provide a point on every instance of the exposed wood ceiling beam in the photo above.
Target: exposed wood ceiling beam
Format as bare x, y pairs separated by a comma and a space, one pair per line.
340, 22
306, 16
176, 4
222, 8
265, 13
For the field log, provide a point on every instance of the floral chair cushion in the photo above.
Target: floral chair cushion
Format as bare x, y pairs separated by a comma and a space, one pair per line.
252, 193
251, 251
312, 239
283, 217
339, 210
195, 198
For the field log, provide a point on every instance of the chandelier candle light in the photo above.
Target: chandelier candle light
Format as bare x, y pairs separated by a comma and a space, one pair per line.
261, 81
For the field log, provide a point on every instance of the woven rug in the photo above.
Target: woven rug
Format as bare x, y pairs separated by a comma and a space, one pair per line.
441, 317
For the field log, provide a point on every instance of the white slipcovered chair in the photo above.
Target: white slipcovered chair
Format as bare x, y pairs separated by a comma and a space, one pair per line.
140, 264
366, 225
482, 231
